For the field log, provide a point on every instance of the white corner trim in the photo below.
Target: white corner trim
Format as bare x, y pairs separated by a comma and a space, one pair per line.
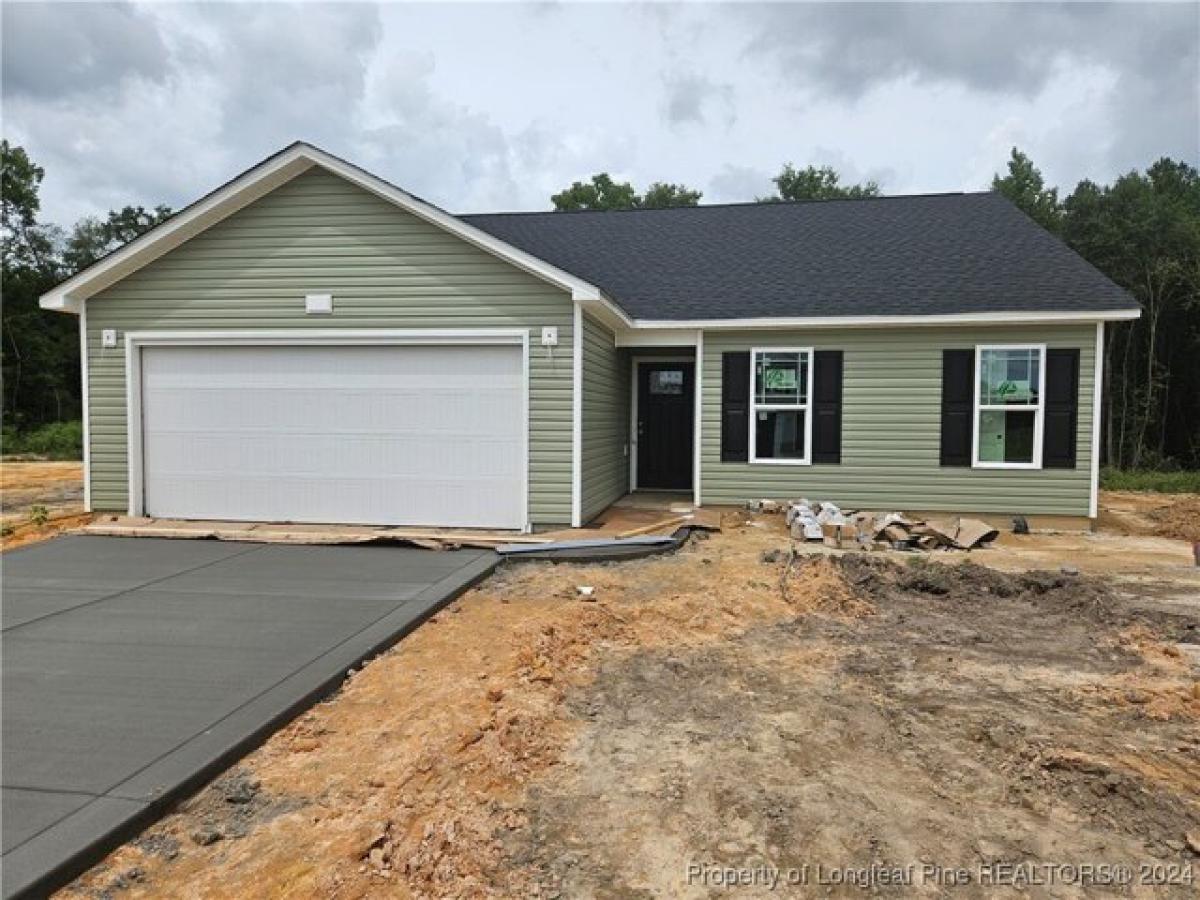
525, 431
577, 417
1097, 396
135, 341
807, 406
266, 177
87, 425
1039, 411
697, 415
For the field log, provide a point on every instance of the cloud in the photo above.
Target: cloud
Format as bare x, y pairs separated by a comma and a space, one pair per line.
692, 98
1148, 54
736, 184
159, 103
848, 48
53, 51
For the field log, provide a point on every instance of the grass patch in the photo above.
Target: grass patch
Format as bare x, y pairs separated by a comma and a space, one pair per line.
58, 440
1186, 482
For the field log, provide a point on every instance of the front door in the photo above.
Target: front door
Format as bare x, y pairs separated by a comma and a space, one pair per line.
665, 406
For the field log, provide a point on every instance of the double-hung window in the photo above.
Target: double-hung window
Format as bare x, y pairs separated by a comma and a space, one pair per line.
780, 417
1009, 391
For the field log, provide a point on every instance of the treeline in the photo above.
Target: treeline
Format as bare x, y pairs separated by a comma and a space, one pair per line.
40, 349
1142, 230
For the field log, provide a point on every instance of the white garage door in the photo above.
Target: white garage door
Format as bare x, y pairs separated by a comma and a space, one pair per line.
394, 435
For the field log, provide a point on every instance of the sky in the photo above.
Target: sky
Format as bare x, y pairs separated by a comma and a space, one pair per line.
483, 107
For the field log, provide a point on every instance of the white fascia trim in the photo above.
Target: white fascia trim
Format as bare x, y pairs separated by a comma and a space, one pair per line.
222, 203
581, 291
1097, 391
577, 417
992, 318
267, 176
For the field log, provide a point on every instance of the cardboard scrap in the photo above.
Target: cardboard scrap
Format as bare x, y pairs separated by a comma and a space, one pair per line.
823, 521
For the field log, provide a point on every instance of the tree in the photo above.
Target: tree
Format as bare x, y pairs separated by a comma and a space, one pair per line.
1024, 186
40, 351
661, 195
94, 238
817, 183
602, 193
1143, 232
25, 243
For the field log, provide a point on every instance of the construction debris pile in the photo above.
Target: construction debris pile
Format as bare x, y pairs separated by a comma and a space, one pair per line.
846, 530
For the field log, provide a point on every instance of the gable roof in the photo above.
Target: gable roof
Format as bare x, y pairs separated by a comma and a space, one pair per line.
260, 180
927, 255
915, 259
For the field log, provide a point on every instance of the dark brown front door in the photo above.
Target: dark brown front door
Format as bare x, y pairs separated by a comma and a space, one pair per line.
664, 425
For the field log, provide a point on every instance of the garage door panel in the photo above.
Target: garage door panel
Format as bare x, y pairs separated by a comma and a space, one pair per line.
272, 410
388, 435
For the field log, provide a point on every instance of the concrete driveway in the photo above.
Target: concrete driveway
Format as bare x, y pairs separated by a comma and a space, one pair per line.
135, 669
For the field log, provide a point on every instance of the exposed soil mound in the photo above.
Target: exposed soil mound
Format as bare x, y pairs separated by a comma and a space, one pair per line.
1178, 519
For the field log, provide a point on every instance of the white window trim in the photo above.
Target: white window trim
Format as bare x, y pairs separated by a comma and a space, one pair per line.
136, 341
1039, 411
807, 352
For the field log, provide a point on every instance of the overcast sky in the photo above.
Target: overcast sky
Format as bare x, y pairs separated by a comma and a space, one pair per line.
488, 107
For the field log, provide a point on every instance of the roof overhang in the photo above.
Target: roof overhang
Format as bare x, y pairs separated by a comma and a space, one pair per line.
266, 177
949, 319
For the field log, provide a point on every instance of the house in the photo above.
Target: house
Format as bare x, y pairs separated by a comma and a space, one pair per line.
310, 343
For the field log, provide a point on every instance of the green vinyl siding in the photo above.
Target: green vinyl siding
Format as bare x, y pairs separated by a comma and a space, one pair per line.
385, 268
605, 420
891, 426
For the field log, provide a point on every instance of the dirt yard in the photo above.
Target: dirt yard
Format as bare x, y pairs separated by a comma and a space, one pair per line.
1164, 515
38, 500
715, 712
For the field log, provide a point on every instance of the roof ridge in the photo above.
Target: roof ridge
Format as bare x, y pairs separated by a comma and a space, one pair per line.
733, 204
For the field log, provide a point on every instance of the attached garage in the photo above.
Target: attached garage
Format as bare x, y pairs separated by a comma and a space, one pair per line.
381, 428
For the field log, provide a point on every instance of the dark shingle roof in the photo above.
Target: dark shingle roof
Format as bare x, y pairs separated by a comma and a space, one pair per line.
915, 255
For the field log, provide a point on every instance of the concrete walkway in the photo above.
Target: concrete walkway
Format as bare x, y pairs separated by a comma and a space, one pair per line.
135, 669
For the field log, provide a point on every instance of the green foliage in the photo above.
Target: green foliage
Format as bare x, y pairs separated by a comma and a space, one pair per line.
1143, 232
603, 193
661, 195
56, 440
39, 515
40, 350
1181, 482
817, 183
1024, 186
94, 238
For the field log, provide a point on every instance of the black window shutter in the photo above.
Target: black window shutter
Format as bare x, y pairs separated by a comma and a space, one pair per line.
958, 383
1062, 409
827, 406
735, 407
